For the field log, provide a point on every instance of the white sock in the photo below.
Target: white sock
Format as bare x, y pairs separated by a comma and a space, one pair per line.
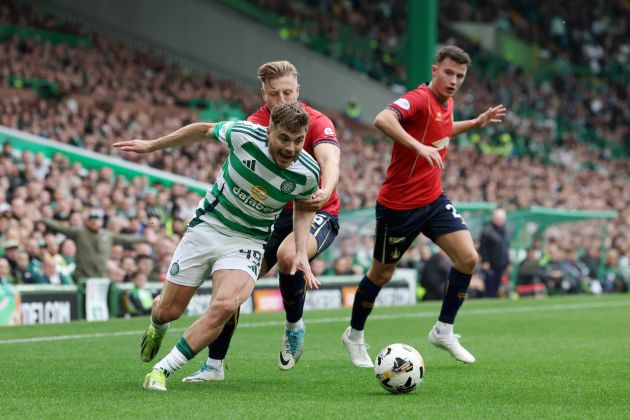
160, 327
295, 326
215, 363
444, 328
171, 362
356, 335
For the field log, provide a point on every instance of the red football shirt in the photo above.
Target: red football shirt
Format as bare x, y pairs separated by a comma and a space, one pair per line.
411, 182
320, 130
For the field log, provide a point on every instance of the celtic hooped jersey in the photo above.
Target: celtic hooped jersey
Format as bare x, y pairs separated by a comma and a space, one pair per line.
251, 190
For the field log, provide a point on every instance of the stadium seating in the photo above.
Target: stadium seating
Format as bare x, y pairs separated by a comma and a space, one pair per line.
105, 91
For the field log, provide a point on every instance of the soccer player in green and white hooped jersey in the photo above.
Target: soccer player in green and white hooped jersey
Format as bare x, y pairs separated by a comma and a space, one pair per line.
251, 190
279, 84
265, 169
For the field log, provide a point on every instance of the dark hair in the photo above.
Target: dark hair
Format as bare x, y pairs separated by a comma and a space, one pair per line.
454, 53
291, 117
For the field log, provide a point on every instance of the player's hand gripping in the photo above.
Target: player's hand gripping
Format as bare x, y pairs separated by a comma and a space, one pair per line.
432, 155
300, 262
317, 200
492, 115
137, 146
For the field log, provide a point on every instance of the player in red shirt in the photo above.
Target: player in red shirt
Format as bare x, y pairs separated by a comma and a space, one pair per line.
280, 85
411, 200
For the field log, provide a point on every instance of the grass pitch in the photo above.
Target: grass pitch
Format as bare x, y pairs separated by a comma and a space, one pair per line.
554, 358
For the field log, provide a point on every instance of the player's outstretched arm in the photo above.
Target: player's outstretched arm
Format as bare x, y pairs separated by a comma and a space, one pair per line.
302, 220
182, 137
387, 122
494, 114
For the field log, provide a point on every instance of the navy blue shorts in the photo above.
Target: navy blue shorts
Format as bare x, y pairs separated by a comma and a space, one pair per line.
324, 228
397, 229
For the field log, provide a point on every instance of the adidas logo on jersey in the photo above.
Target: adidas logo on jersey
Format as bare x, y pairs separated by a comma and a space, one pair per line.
251, 164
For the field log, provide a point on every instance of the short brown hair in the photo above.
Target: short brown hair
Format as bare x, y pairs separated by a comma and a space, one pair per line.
275, 70
292, 117
454, 53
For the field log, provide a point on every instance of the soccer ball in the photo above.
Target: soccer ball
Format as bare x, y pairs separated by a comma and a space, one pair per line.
399, 368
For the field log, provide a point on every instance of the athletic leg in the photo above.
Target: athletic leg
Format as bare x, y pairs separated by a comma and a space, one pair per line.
230, 289
460, 248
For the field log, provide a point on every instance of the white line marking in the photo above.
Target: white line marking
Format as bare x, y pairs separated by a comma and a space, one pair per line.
423, 314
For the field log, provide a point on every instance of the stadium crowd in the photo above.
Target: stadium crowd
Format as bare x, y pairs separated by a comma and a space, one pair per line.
109, 92
590, 34
589, 39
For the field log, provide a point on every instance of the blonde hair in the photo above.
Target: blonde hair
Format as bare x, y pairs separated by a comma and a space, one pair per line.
290, 116
275, 70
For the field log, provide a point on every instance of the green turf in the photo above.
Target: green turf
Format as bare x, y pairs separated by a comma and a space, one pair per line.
552, 358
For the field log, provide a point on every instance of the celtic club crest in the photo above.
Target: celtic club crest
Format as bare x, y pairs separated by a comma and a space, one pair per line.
287, 187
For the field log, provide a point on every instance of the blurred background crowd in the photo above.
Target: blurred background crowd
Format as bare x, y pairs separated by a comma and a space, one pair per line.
564, 143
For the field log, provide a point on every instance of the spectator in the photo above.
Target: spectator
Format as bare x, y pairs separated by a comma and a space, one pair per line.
50, 274
129, 267
353, 109
11, 248
434, 274
343, 266
146, 266
68, 251
24, 273
319, 267
531, 276
5, 272
494, 252
139, 299
94, 244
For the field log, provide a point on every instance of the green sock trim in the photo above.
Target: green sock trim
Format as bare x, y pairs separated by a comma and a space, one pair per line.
185, 349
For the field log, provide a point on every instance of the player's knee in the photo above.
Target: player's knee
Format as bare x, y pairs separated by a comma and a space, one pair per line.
381, 274
224, 308
285, 261
468, 261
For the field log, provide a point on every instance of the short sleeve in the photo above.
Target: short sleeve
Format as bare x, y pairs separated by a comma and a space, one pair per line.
312, 175
322, 130
409, 105
234, 134
223, 132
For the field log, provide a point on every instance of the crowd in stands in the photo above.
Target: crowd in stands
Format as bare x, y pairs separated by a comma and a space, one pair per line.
591, 34
36, 190
367, 36
109, 92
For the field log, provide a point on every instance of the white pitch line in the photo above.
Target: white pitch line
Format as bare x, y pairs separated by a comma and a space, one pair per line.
423, 314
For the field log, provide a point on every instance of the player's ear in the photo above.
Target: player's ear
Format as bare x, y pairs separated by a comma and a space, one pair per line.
434, 69
297, 89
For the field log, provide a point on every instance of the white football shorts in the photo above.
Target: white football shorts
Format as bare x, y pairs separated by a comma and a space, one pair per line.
203, 250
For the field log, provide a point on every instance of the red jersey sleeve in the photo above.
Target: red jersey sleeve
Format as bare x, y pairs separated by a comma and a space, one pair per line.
322, 130
410, 105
